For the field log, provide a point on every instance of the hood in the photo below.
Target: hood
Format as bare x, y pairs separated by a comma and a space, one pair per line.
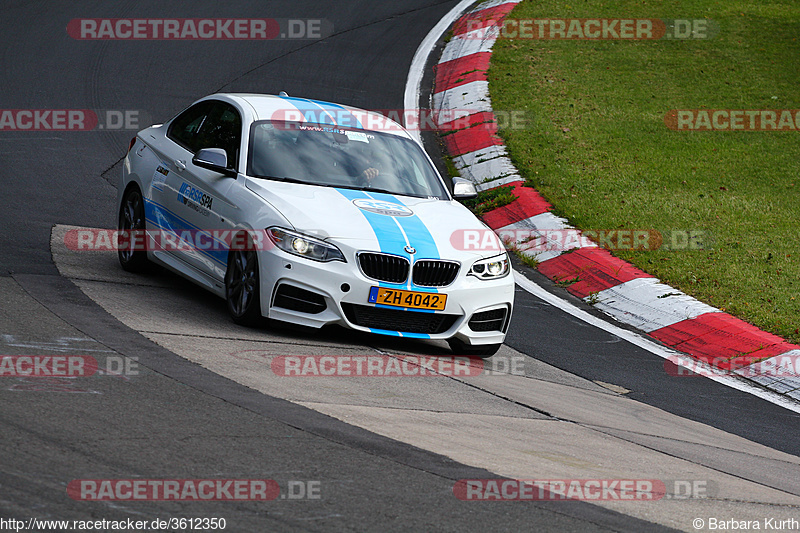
378, 222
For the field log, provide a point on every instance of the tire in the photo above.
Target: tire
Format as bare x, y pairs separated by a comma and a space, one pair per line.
242, 287
459, 347
132, 219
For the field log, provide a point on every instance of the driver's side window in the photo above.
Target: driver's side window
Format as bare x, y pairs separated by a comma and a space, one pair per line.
185, 128
209, 124
222, 129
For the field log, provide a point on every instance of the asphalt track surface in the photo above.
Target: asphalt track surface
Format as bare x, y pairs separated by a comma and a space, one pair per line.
180, 420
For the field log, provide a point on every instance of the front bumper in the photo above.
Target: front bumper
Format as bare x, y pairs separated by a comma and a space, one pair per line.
344, 290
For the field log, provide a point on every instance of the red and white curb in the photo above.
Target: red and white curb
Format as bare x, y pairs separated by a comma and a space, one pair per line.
612, 285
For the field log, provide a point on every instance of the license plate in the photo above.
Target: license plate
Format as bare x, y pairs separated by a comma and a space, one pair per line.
410, 299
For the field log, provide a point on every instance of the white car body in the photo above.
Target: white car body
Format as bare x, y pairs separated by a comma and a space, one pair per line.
179, 195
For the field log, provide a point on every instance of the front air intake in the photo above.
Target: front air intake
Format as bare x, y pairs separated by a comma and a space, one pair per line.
297, 299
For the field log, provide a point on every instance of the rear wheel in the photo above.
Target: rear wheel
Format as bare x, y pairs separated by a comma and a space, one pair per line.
242, 290
131, 223
459, 347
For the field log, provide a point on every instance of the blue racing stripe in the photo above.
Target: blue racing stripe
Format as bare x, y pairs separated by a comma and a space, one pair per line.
325, 113
390, 238
417, 232
166, 220
399, 334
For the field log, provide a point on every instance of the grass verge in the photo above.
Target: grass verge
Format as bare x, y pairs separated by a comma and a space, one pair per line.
490, 199
597, 147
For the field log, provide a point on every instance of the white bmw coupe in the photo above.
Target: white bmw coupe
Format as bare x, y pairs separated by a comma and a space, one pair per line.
312, 213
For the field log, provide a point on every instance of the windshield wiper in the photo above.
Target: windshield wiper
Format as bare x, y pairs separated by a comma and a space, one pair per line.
367, 189
286, 179
375, 189
385, 191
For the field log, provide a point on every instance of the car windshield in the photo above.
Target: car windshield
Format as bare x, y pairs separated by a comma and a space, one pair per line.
332, 156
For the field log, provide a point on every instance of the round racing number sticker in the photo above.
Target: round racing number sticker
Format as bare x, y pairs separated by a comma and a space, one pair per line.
383, 208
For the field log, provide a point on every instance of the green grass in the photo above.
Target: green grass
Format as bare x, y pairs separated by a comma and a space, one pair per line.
490, 199
598, 149
528, 260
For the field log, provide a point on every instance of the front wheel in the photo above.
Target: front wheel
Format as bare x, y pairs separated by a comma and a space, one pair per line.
242, 290
459, 347
131, 226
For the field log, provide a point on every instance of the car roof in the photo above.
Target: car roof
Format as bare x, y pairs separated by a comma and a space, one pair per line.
284, 107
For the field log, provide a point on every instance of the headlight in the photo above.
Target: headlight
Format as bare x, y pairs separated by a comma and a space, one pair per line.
491, 268
304, 246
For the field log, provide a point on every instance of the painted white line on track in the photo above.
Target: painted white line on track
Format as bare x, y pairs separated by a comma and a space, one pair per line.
412, 93
653, 347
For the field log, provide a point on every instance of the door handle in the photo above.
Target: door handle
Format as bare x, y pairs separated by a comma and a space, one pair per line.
180, 164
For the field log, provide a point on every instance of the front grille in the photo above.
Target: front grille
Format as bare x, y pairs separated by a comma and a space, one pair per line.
488, 320
429, 273
297, 299
403, 321
383, 267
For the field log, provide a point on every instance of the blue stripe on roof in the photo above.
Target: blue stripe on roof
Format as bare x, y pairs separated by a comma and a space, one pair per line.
325, 112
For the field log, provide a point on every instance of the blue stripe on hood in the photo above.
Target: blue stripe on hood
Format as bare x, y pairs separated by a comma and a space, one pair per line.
391, 240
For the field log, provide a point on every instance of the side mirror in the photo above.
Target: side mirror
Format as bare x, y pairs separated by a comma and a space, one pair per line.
213, 159
464, 189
